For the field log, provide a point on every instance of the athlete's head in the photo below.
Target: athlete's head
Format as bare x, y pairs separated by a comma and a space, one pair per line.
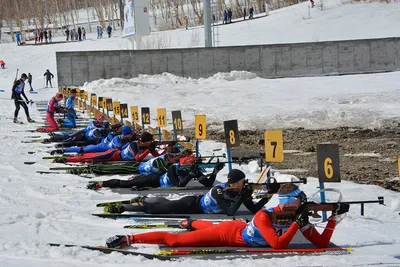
59, 96
236, 178
73, 92
146, 138
126, 132
24, 76
100, 118
290, 196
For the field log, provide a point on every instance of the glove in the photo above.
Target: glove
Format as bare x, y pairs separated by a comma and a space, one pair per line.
246, 194
119, 241
152, 147
302, 216
192, 175
218, 167
273, 187
342, 208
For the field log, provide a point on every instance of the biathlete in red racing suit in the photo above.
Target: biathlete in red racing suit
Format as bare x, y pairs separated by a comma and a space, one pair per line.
260, 232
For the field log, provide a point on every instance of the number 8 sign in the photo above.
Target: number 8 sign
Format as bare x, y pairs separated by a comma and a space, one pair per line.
328, 163
231, 133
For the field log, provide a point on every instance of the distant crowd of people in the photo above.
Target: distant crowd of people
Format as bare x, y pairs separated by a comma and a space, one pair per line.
43, 35
75, 35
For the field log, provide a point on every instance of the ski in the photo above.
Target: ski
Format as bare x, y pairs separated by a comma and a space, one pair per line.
143, 216
218, 253
33, 141
145, 226
30, 162
122, 251
139, 216
294, 251
114, 203
48, 172
55, 157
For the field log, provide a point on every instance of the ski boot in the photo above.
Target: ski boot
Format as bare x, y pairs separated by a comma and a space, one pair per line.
17, 121
119, 241
30, 120
60, 160
57, 151
95, 185
187, 224
114, 209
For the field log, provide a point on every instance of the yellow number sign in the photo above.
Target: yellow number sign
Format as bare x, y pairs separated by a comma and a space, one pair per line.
93, 100
162, 117
135, 113
124, 110
398, 163
116, 108
200, 130
86, 96
273, 145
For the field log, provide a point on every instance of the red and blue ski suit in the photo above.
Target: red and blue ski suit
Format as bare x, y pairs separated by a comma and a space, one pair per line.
50, 110
260, 232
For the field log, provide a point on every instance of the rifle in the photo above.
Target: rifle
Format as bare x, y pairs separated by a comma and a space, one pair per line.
314, 208
271, 186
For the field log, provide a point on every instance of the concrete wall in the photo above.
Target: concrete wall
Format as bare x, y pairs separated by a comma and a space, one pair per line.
268, 61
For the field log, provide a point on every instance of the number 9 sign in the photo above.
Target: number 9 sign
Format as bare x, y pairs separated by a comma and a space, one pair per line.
200, 130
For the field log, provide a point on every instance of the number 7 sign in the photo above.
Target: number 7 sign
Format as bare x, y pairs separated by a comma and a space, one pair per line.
273, 145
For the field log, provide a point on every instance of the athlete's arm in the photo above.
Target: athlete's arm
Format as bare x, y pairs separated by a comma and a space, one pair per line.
268, 232
229, 207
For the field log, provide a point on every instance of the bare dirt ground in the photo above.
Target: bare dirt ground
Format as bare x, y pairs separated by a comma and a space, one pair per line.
378, 167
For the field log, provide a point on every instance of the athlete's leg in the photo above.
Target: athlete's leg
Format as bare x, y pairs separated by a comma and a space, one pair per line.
223, 234
188, 204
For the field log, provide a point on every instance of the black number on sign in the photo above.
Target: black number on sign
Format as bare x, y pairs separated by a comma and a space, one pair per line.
274, 144
200, 129
178, 124
161, 120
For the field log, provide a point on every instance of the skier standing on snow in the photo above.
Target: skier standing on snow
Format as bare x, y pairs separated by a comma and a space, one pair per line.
17, 92
225, 17
67, 34
251, 11
79, 34
109, 29
262, 231
30, 81
49, 76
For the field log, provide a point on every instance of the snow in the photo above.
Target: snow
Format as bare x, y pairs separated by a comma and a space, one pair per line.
38, 209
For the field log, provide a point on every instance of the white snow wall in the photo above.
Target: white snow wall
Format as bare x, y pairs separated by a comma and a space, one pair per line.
267, 61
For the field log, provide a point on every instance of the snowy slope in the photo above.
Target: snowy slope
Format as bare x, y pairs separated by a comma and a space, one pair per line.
37, 209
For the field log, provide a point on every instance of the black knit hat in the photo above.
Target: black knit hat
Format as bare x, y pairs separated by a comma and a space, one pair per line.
145, 137
235, 176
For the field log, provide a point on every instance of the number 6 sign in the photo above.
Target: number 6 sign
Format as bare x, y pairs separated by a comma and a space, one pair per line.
328, 163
